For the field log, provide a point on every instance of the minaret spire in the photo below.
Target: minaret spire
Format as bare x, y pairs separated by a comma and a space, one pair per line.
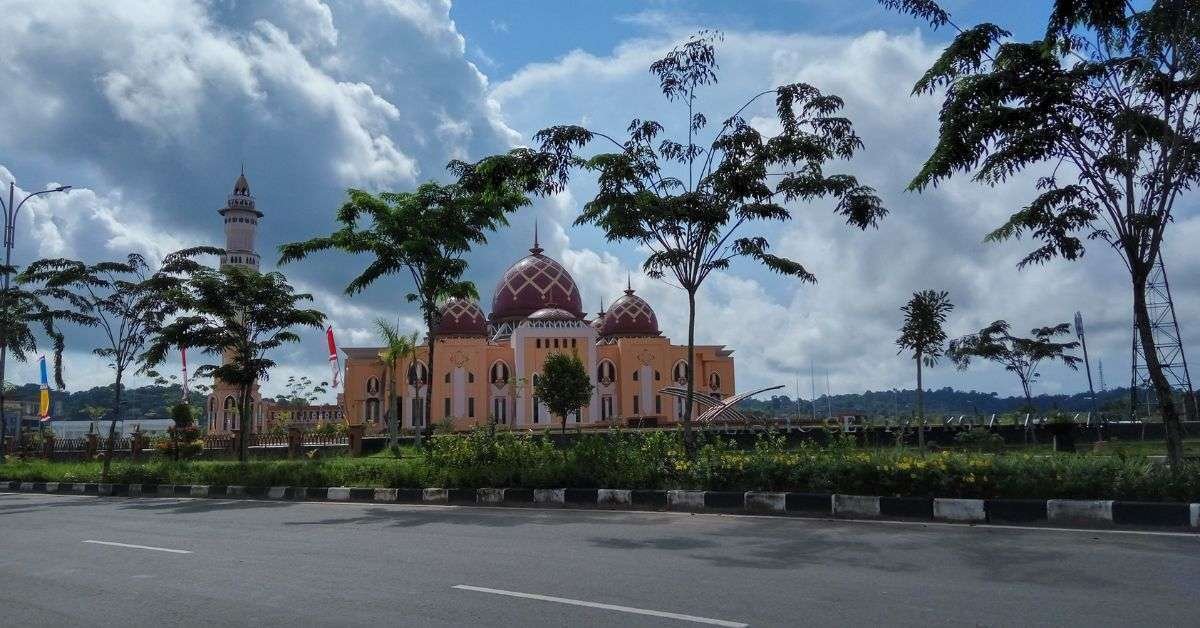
628, 283
536, 250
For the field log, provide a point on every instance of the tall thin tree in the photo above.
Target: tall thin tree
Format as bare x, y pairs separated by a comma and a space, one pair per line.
1108, 103
397, 348
240, 316
1020, 356
689, 200
126, 299
923, 333
423, 234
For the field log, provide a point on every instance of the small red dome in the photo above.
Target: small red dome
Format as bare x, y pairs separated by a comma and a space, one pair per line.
461, 317
533, 283
552, 314
629, 315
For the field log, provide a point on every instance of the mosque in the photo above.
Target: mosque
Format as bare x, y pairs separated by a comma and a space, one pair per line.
491, 361
488, 363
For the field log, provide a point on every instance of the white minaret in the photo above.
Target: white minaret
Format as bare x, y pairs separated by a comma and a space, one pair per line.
241, 224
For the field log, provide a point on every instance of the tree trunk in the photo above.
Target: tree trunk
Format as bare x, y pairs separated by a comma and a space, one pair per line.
245, 420
432, 376
1172, 430
112, 429
393, 411
689, 437
920, 407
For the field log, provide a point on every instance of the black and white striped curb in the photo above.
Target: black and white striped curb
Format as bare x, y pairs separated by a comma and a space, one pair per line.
1073, 512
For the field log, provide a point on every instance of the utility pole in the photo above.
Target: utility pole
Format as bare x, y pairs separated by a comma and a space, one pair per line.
812, 376
1086, 364
11, 210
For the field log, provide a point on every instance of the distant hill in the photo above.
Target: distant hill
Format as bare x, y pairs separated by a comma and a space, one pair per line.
141, 402
943, 401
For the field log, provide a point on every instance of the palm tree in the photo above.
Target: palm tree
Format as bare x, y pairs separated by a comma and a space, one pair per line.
397, 348
922, 333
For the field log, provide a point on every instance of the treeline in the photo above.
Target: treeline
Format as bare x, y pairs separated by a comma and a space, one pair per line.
137, 403
943, 401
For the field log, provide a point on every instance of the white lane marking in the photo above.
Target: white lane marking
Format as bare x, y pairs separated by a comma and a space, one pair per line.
145, 547
607, 607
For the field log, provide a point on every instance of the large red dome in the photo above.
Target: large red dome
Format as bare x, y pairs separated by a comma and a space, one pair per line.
533, 283
629, 315
461, 317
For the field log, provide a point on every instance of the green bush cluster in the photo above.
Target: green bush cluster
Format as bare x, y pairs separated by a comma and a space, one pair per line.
490, 458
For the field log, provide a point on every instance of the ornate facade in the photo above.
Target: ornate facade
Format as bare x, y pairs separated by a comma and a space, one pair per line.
487, 364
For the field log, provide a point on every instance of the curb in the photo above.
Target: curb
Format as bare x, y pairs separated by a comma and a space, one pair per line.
1074, 512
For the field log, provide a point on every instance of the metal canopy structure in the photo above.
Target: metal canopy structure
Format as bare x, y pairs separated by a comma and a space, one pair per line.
715, 408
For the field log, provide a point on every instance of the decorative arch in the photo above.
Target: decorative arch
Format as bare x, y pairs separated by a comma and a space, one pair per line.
498, 375
606, 372
372, 386
418, 374
679, 373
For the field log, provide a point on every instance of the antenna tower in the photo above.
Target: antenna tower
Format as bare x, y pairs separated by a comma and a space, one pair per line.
1169, 343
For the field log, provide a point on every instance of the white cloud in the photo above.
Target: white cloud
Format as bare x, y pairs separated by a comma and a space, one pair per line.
847, 322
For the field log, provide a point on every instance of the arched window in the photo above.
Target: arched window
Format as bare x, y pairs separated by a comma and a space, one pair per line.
372, 385
417, 374
447, 378
714, 380
372, 413
635, 375
499, 374
657, 376
606, 373
680, 373
470, 377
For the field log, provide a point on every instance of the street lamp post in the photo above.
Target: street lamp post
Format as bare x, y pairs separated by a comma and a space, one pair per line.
11, 210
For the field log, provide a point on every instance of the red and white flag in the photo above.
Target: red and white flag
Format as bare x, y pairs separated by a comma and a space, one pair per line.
333, 359
183, 383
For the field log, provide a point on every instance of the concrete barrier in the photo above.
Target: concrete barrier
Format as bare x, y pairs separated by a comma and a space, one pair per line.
198, 490
235, 491
1196, 515
51, 487
856, 505
685, 500
766, 502
435, 496
489, 496
79, 488
966, 510
386, 495
26, 486
613, 497
279, 492
338, 494
165, 490
549, 496
1079, 511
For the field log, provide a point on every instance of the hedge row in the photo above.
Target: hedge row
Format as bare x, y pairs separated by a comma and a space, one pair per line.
620, 460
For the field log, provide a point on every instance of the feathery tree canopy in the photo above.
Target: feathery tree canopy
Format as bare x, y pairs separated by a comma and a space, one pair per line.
690, 200
1020, 356
424, 234
1105, 108
127, 299
239, 316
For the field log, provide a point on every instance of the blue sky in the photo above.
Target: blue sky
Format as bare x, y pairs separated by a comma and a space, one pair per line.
149, 108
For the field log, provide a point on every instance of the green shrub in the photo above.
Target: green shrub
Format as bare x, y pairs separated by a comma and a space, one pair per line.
486, 457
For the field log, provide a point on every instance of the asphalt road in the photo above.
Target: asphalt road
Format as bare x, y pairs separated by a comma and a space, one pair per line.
87, 561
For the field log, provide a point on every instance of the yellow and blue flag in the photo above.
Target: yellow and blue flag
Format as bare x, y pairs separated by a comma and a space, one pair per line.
44, 406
